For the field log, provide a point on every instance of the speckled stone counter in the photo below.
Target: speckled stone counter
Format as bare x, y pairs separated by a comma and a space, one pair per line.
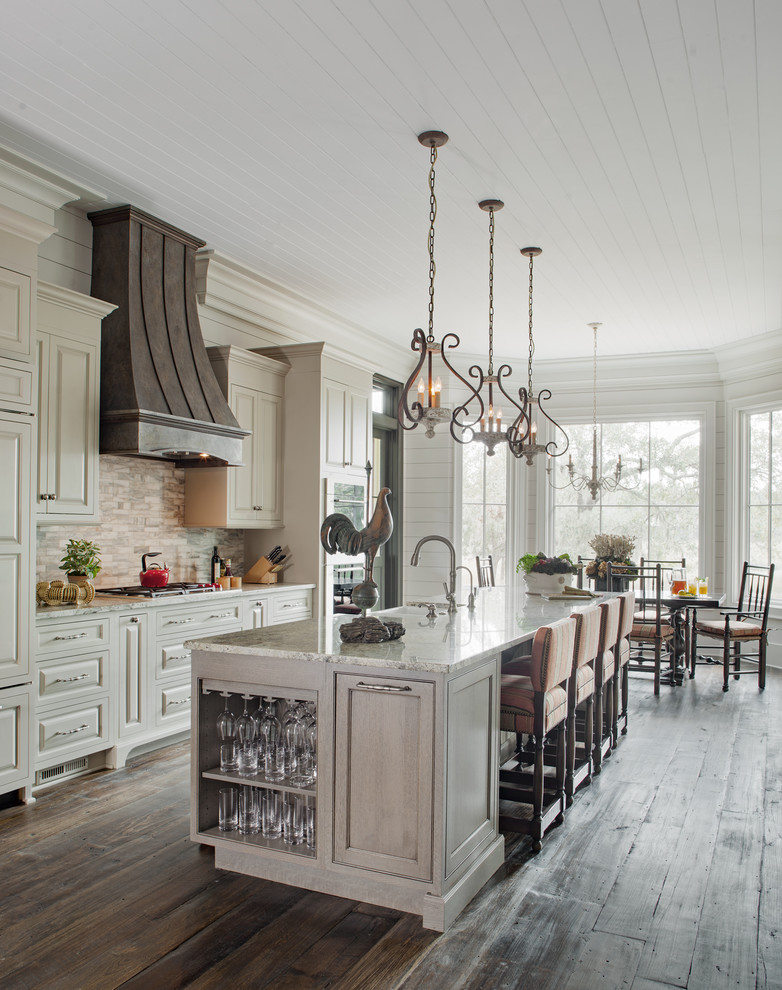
502, 619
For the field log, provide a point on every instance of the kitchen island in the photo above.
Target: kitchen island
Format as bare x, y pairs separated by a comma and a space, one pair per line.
405, 800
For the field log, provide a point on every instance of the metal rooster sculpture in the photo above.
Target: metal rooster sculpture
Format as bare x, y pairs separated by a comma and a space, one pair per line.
339, 535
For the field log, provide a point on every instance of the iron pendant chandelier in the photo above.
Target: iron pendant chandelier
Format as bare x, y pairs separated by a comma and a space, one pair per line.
426, 408
523, 433
594, 483
478, 417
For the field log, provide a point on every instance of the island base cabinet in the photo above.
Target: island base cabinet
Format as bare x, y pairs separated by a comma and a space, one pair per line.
15, 729
384, 774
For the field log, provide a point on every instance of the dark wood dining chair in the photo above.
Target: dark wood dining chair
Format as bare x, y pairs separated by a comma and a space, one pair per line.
739, 626
651, 632
485, 569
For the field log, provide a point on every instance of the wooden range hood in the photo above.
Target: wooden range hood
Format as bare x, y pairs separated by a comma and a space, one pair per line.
159, 397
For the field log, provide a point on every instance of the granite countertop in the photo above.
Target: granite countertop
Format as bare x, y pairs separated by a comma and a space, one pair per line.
125, 603
503, 618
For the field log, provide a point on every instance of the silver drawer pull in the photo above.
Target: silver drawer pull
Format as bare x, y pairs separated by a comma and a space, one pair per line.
294, 605
182, 701
180, 622
70, 732
80, 635
383, 687
68, 680
222, 615
179, 656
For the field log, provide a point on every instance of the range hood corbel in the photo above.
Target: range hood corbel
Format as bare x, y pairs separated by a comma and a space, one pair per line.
159, 395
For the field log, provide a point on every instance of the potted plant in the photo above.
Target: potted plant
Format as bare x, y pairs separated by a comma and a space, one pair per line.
616, 549
545, 575
81, 561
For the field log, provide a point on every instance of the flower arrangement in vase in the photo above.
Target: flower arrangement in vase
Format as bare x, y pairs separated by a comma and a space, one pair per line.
616, 549
545, 575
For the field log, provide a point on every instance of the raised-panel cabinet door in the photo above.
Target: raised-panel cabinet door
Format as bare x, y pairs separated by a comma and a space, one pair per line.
359, 429
269, 476
334, 452
384, 774
133, 652
15, 708
72, 427
16, 438
243, 480
15, 332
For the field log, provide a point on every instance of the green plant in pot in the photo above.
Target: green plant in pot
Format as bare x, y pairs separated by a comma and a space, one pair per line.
546, 575
81, 561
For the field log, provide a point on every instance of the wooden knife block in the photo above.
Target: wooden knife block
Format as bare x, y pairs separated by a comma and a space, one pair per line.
261, 569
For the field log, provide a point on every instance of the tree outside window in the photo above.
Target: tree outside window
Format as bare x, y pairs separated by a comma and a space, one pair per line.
763, 522
662, 514
484, 506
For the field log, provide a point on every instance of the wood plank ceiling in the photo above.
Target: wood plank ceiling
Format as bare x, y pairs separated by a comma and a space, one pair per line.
638, 142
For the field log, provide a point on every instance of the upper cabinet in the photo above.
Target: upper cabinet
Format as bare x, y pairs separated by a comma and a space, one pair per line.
250, 496
346, 421
68, 340
15, 308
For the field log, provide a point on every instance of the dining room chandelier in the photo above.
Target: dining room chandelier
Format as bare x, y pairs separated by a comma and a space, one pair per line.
595, 482
432, 361
523, 433
479, 418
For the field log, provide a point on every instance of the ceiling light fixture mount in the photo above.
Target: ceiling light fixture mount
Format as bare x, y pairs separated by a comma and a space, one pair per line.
594, 483
426, 408
523, 434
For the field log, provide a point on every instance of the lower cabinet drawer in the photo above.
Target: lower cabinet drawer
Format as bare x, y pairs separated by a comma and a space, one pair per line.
290, 607
172, 658
74, 730
85, 633
173, 703
66, 680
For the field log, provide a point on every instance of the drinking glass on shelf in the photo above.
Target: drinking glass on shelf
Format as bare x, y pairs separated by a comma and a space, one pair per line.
295, 744
227, 809
273, 749
678, 580
248, 741
309, 821
248, 819
226, 729
293, 819
703, 586
271, 814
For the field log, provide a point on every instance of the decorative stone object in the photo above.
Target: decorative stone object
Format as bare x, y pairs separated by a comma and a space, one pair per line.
370, 629
60, 593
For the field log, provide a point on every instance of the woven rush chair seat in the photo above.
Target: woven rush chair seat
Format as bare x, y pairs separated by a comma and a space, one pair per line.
534, 705
739, 629
647, 631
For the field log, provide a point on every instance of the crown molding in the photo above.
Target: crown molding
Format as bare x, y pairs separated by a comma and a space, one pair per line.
36, 191
21, 225
229, 288
755, 357
58, 295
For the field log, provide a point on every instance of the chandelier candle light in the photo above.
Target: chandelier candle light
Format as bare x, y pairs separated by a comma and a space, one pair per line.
594, 482
481, 419
426, 408
523, 434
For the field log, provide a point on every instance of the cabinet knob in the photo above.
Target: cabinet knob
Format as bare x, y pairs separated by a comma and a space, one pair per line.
53, 497
257, 508
134, 618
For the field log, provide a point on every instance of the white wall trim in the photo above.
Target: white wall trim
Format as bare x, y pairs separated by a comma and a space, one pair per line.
37, 191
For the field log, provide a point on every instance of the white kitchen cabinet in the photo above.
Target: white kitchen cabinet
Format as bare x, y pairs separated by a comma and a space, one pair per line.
255, 612
347, 427
250, 496
15, 722
15, 314
133, 674
16, 448
68, 340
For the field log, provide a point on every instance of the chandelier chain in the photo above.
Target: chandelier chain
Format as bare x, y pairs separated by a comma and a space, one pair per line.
491, 292
432, 215
531, 342
594, 384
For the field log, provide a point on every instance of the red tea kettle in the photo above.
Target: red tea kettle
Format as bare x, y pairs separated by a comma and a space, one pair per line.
153, 576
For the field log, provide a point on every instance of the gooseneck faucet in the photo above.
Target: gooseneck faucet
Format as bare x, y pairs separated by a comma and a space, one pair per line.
450, 592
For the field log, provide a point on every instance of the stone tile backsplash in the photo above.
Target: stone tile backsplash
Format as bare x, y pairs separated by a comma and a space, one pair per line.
142, 510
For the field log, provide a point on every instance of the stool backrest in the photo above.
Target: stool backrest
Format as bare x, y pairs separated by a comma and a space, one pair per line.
587, 641
626, 610
755, 593
485, 568
552, 654
609, 624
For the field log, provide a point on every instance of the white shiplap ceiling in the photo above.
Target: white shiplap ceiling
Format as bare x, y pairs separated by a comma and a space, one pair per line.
638, 142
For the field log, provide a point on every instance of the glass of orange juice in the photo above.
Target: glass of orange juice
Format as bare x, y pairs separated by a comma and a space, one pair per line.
703, 586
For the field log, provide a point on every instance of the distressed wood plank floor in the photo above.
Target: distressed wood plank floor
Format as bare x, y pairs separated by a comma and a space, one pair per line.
666, 873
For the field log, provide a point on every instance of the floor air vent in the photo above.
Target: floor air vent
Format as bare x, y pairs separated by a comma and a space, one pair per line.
69, 769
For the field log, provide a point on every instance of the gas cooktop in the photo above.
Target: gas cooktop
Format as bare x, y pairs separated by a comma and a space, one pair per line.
173, 588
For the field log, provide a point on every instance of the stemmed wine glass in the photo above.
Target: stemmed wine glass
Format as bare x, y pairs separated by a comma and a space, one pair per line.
248, 741
226, 728
273, 750
295, 743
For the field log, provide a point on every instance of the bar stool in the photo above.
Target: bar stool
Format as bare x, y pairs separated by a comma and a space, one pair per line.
626, 613
581, 694
605, 666
536, 705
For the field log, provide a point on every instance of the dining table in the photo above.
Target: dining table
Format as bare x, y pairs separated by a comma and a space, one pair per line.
678, 607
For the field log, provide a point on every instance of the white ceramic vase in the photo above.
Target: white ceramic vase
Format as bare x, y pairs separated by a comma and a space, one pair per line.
545, 584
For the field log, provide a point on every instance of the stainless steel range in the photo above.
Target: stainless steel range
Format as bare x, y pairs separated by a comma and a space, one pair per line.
174, 588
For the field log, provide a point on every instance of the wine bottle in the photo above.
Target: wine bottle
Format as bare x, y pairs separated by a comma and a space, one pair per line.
214, 568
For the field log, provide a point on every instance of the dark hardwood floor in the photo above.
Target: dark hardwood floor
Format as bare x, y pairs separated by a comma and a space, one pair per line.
666, 873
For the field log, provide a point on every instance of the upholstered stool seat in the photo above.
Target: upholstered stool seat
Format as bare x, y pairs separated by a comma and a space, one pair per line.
605, 668
581, 691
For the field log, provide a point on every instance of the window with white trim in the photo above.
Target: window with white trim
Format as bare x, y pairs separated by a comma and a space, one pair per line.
762, 523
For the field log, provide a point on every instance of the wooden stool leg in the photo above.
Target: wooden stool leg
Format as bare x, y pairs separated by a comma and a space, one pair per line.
597, 753
537, 795
658, 650
589, 726
571, 756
